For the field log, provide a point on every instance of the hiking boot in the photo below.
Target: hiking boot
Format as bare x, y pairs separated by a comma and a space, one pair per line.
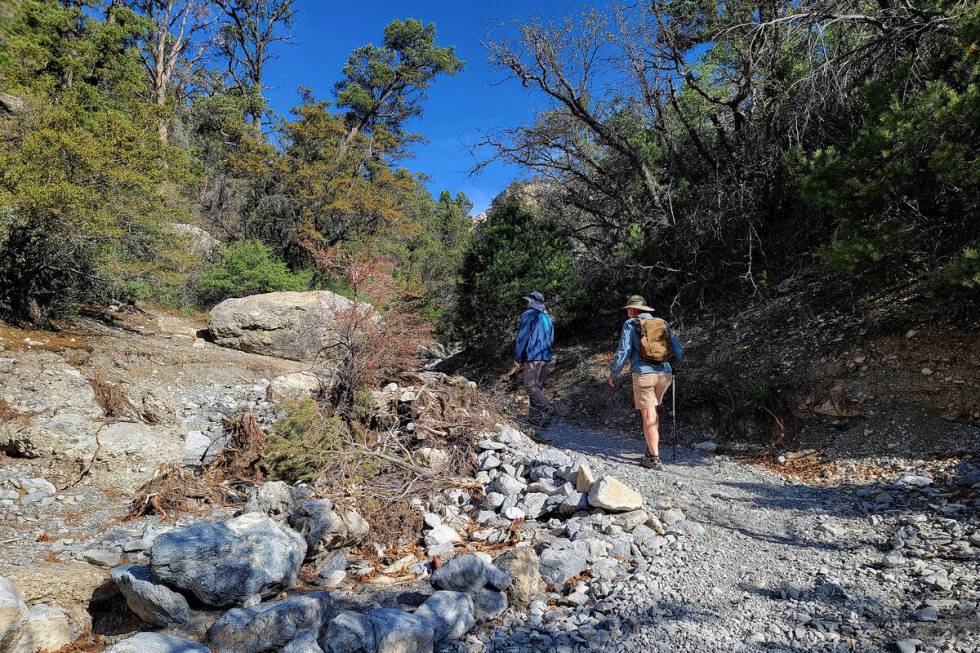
652, 462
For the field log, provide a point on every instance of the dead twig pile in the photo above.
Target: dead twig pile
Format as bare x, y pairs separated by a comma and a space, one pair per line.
87, 643
242, 453
113, 401
177, 488
116, 407
396, 522
409, 444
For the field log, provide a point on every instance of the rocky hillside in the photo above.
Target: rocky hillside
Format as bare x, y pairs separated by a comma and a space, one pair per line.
818, 370
125, 528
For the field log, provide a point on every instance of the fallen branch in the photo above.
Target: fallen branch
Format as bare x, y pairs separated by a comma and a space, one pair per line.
95, 454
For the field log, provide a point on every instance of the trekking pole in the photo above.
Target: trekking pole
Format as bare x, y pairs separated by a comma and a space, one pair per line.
673, 419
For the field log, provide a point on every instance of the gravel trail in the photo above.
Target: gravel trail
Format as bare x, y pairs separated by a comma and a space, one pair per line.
783, 566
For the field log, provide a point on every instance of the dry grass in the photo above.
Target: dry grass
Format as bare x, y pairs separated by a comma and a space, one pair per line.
15, 339
10, 414
87, 643
113, 401
395, 522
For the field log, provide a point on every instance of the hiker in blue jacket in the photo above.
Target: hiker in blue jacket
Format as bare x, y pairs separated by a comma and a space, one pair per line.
535, 336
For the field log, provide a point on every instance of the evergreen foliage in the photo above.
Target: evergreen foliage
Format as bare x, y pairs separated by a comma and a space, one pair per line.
101, 155
86, 184
247, 268
513, 253
698, 151
384, 86
304, 443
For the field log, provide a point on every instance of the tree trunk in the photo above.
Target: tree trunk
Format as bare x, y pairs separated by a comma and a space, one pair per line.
160, 84
163, 125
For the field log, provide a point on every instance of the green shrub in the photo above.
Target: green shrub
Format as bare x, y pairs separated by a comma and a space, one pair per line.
247, 268
963, 271
307, 444
302, 444
851, 253
514, 252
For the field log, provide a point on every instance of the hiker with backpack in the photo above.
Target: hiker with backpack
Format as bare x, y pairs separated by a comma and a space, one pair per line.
535, 335
650, 347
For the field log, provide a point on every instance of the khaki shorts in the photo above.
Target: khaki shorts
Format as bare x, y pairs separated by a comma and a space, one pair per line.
649, 389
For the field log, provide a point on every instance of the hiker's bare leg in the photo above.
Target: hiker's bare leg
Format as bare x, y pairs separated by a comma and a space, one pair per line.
651, 429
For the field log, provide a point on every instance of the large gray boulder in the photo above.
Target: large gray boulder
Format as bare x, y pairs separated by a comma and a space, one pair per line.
509, 486
48, 628
149, 600
290, 325
227, 563
609, 493
13, 616
469, 573
11, 103
553, 458
200, 243
275, 498
452, 614
272, 625
349, 632
523, 567
399, 632
489, 603
325, 528
385, 630
294, 387
306, 642
563, 560
156, 643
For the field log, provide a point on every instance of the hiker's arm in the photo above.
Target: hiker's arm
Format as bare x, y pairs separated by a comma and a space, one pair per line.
523, 333
623, 352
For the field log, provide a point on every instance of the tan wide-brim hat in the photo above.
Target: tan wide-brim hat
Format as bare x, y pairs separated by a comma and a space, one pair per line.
637, 302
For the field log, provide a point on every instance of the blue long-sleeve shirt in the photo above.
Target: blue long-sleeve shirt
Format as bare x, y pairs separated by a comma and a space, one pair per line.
535, 335
629, 349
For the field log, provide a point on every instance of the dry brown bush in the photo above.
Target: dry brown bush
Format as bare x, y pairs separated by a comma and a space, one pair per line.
177, 488
242, 453
87, 643
113, 401
10, 414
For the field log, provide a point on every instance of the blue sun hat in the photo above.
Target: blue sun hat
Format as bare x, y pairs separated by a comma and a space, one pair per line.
536, 300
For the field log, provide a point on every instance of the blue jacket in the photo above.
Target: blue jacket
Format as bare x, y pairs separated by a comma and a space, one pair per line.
629, 349
535, 336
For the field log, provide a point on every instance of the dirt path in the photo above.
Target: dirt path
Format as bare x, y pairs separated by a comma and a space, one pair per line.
787, 567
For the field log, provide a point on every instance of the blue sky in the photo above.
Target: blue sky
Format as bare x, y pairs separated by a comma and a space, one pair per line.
457, 108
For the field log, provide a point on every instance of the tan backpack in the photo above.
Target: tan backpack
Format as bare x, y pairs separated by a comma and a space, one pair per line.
655, 345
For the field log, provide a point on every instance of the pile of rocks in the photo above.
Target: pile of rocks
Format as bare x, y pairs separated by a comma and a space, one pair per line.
551, 498
587, 541
221, 581
197, 571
